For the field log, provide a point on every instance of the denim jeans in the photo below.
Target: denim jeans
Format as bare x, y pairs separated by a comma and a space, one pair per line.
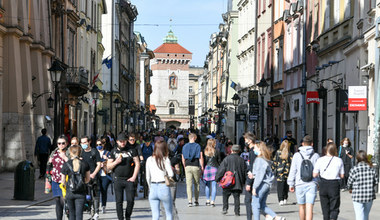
211, 184
306, 193
362, 210
75, 202
160, 193
105, 182
259, 202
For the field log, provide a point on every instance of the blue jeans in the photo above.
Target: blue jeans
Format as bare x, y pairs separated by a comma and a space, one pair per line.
362, 210
160, 193
306, 193
259, 202
105, 182
211, 184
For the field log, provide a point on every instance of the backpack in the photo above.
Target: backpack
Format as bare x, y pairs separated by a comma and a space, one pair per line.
75, 183
228, 180
307, 169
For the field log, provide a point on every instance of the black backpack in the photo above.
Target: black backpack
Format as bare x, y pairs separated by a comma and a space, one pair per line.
75, 183
307, 169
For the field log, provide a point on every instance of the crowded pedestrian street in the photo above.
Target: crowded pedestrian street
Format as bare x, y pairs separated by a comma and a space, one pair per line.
43, 206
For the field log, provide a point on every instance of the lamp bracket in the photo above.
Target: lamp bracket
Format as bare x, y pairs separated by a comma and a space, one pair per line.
35, 97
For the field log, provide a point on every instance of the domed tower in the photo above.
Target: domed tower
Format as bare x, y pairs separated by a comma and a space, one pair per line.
170, 83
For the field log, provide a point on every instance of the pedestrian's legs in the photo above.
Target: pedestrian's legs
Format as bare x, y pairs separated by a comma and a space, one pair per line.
105, 182
280, 190
248, 204
95, 190
197, 176
367, 209
263, 194
213, 190
226, 195
189, 183
165, 197
207, 190
173, 192
130, 196
334, 196
154, 201
59, 204
236, 194
43, 161
324, 198
286, 189
71, 205
79, 203
359, 211
255, 206
119, 197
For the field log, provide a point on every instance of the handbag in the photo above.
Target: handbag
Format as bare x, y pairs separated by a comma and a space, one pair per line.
169, 181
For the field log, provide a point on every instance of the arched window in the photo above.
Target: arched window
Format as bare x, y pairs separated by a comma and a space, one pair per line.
171, 109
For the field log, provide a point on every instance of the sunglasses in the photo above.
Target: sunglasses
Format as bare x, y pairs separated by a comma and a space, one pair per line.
131, 139
61, 143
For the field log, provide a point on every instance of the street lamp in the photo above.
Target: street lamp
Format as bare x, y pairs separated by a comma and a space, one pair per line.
95, 95
117, 105
56, 70
235, 100
50, 102
263, 89
322, 93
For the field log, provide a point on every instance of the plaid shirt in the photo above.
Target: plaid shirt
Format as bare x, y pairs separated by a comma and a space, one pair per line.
362, 181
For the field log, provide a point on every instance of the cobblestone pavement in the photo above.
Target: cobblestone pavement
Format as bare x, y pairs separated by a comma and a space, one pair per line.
44, 208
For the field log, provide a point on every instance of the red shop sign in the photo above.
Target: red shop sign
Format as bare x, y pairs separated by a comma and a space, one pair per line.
312, 97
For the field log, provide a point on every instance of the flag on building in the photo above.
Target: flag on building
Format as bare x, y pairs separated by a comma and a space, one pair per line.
95, 78
108, 62
233, 85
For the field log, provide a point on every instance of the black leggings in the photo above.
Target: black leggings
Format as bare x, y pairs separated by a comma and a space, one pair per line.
59, 204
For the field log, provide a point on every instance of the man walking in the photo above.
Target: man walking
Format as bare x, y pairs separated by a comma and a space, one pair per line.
306, 192
250, 140
125, 163
236, 165
92, 157
192, 160
42, 150
292, 141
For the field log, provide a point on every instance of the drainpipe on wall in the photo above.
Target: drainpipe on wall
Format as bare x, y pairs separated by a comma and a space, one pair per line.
304, 86
376, 131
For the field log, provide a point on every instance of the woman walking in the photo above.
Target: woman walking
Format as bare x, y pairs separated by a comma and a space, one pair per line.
263, 180
330, 169
56, 161
105, 178
76, 190
281, 166
362, 181
157, 167
346, 153
212, 161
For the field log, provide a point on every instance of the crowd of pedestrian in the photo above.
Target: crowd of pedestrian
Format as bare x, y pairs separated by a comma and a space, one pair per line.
81, 170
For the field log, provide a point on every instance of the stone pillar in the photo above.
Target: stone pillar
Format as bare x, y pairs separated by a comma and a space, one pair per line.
13, 117
2, 146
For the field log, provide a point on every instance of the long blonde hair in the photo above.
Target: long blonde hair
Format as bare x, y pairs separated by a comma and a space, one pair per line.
210, 148
266, 153
75, 151
284, 148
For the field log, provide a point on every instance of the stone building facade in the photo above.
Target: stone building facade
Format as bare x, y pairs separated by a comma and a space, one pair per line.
170, 83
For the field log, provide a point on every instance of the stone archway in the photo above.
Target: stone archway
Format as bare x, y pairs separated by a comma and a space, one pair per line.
170, 124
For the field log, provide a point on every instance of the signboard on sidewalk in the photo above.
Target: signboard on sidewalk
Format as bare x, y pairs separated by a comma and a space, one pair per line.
357, 98
312, 97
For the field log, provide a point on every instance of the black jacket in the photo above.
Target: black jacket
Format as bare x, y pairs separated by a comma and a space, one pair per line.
251, 158
233, 162
213, 161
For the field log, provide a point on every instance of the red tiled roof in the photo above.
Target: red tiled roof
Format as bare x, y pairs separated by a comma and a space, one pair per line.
171, 48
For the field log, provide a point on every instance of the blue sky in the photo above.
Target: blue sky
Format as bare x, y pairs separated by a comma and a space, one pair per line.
193, 22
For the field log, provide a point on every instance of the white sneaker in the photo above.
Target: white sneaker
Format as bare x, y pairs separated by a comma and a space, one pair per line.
285, 202
281, 203
95, 217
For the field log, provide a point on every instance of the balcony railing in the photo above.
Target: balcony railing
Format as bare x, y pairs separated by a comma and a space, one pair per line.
77, 75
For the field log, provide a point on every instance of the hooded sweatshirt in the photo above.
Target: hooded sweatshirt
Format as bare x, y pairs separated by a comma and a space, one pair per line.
294, 178
263, 172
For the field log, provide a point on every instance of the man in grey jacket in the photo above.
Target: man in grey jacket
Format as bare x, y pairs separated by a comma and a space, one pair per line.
306, 192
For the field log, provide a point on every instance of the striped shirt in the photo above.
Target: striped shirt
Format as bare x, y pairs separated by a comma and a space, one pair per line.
362, 181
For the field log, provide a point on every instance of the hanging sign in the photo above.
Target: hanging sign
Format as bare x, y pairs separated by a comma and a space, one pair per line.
357, 98
312, 97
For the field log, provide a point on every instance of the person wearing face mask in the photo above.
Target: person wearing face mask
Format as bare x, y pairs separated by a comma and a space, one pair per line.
263, 180
250, 140
292, 142
345, 152
105, 178
92, 157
